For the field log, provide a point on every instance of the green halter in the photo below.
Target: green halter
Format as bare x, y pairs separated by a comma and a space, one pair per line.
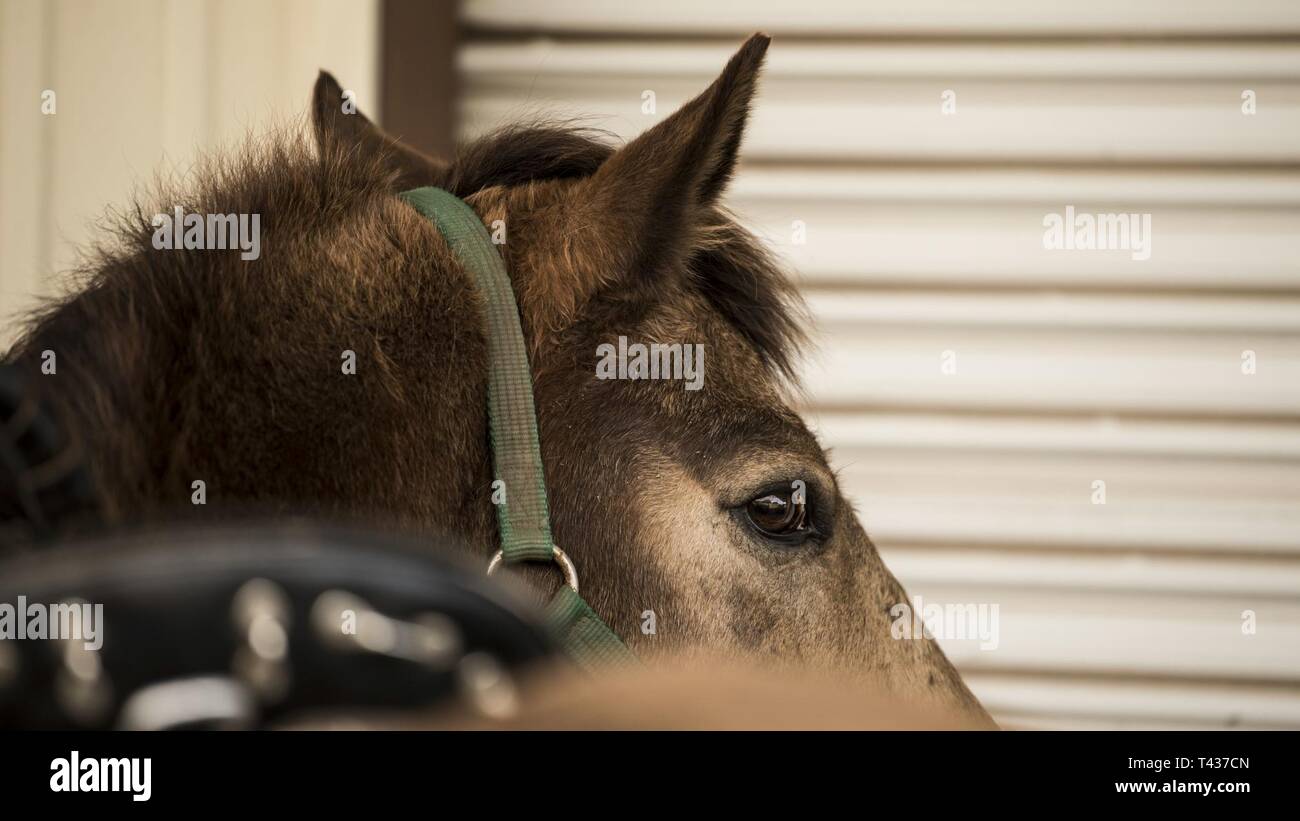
523, 517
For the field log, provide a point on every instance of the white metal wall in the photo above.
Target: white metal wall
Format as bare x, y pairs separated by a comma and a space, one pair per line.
143, 86
924, 236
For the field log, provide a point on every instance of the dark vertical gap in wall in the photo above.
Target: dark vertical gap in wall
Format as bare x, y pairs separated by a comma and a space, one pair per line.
418, 76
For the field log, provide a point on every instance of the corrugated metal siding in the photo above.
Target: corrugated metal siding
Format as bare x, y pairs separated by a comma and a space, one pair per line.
924, 235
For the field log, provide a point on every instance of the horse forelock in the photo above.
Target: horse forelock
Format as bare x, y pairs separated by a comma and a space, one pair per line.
741, 279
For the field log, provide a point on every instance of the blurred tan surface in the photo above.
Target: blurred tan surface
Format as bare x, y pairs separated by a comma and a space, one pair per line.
711, 697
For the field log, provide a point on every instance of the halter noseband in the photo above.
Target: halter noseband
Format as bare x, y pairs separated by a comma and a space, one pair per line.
523, 517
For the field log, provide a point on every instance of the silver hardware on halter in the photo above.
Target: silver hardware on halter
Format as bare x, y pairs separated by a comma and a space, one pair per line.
347, 621
561, 558
262, 613
81, 685
215, 702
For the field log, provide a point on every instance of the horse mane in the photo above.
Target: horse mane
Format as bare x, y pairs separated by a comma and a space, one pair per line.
741, 279
284, 174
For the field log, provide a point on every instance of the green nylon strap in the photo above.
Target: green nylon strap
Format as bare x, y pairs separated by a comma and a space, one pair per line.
523, 517
587, 639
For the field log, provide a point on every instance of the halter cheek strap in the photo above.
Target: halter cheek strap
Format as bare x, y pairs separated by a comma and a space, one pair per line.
523, 517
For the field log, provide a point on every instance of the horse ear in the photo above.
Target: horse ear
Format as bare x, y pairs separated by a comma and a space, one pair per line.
340, 124
650, 193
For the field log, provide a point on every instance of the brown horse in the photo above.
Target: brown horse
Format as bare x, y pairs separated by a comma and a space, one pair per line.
713, 509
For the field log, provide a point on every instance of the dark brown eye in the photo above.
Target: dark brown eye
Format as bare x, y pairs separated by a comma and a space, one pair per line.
778, 513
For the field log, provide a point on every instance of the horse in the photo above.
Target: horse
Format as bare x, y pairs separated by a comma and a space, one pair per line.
340, 373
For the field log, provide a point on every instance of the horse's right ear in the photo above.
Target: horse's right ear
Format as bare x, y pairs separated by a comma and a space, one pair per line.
340, 124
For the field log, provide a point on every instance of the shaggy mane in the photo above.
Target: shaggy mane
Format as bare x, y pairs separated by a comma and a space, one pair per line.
733, 269
286, 177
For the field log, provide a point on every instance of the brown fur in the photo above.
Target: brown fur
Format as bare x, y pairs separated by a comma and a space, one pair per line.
183, 365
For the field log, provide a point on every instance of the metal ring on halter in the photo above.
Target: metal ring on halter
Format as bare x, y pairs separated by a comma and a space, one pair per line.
561, 558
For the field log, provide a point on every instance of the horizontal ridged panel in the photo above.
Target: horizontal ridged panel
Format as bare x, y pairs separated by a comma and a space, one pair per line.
914, 233
1161, 109
843, 18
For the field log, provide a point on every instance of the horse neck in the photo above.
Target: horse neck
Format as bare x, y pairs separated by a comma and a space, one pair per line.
254, 399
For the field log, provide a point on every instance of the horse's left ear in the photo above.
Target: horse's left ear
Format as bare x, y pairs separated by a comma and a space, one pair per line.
649, 197
340, 124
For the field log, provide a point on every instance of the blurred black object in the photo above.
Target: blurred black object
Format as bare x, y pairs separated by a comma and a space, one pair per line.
43, 478
247, 626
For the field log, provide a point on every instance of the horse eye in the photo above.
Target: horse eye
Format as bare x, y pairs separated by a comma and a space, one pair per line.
778, 514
